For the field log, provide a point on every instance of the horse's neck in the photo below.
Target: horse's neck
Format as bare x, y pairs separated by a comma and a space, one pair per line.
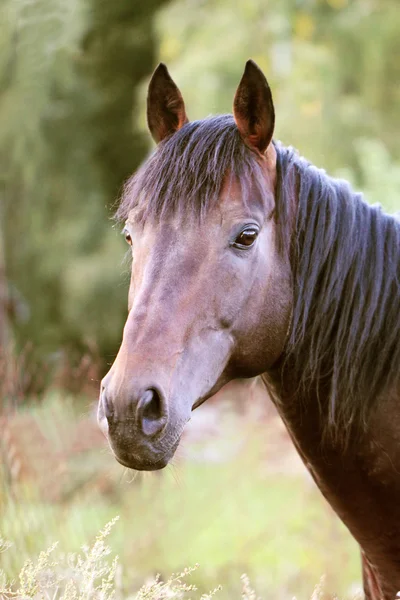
362, 482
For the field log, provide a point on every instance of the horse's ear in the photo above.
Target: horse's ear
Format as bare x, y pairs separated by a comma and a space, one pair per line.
253, 108
165, 107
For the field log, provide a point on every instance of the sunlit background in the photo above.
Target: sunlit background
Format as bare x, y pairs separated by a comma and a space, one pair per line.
73, 78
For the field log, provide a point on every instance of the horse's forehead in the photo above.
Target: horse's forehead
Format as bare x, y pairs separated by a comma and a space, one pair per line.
235, 195
237, 199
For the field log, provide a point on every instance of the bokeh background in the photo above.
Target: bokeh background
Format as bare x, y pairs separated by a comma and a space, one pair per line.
73, 79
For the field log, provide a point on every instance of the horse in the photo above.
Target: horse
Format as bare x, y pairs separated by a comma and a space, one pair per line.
248, 261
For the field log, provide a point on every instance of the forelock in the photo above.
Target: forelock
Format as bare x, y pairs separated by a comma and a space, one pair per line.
187, 171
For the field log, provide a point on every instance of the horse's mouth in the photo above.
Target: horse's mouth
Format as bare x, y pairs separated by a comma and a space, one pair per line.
144, 458
142, 465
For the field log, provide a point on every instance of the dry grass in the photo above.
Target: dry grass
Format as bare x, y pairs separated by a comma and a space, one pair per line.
232, 504
93, 574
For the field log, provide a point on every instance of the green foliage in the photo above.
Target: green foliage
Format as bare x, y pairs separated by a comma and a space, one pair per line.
67, 143
378, 171
331, 65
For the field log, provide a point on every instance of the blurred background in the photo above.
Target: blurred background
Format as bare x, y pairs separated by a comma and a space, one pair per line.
73, 78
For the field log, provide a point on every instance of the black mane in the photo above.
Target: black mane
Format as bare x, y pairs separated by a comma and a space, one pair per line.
345, 256
346, 316
186, 172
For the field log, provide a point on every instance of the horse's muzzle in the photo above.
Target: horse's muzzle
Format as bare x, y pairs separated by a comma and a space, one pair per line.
148, 410
138, 435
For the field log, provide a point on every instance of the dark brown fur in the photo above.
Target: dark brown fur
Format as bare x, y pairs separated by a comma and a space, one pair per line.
313, 306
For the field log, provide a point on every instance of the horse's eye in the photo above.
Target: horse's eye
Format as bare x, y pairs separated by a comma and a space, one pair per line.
246, 238
127, 236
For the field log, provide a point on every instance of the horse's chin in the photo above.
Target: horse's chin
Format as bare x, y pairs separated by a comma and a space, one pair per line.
143, 458
142, 465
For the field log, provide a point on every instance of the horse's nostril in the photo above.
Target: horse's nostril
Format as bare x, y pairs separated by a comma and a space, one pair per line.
151, 405
151, 414
107, 406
